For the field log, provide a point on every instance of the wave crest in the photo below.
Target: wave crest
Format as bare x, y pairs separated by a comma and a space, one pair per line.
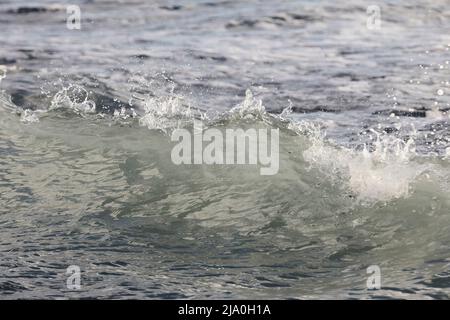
73, 97
382, 171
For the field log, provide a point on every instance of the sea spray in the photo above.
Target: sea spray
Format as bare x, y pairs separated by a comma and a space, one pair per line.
382, 171
2, 73
165, 113
73, 97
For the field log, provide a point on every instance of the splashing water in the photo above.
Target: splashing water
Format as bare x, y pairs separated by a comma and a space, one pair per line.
383, 174
74, 98
250, 109
382, 171
29, 116
165, 113
447, 153
169, 112
2, 74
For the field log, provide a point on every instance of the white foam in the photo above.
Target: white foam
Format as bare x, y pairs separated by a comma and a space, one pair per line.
170, 112
447, 153
383, 174
29, 116
165, 113
2, 73
250, 109
73, 97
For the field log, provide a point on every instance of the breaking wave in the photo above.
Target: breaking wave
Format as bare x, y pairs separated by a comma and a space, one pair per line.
383, 168
384, 173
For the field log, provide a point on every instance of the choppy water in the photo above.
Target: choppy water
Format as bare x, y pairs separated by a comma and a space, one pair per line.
87, 178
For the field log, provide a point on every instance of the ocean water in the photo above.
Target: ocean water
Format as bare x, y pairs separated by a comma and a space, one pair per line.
86, 175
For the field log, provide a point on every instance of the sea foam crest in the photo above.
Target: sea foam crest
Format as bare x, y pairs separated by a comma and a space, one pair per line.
73, 97
249, 109
2, 73
165, 113
29, 116
447, 153
382, 171
169, 112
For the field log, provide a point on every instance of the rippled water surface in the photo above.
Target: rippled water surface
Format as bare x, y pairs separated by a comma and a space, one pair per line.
87, 179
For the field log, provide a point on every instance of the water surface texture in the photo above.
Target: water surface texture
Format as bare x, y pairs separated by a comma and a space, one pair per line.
86, 175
